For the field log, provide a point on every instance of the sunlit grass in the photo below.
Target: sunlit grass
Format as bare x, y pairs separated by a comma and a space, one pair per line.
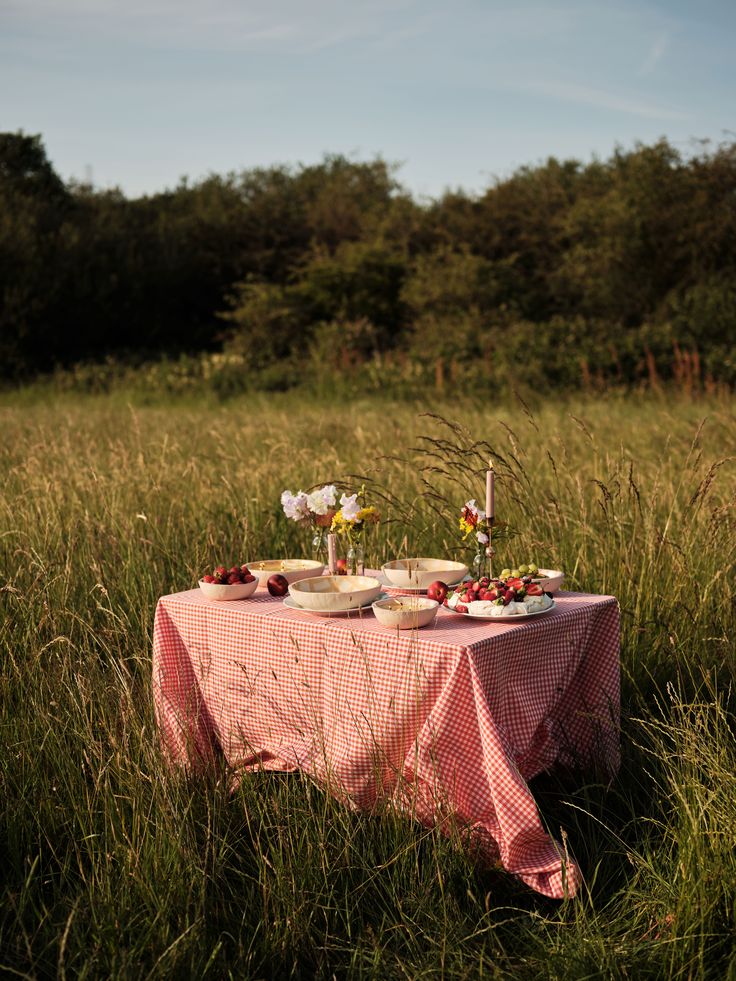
111, 866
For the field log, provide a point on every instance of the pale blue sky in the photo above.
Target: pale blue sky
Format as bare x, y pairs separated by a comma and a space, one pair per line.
140, 93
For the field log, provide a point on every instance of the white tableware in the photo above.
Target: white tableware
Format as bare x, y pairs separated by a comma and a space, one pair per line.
549, 579
421, 573
414, 590
515, 618
291, 569
236, 591
405, 612
291, 605
332, 593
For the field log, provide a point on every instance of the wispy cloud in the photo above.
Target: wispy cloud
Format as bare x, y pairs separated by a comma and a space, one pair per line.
221, 23
586, 95
655, 54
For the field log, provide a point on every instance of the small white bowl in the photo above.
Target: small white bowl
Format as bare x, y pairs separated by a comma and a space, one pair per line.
549, 579
421, 573
405, 612
333, 593
236, 591
291, 569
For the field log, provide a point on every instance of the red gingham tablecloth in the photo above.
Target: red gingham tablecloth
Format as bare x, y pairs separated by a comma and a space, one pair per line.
448, 722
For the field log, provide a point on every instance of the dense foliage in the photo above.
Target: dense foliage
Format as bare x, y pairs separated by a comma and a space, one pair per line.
563, 275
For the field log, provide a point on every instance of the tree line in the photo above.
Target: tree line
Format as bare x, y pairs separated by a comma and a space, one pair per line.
564, 274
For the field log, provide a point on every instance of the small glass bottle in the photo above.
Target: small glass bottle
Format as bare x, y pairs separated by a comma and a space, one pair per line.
319, 545
480, 567
356, 560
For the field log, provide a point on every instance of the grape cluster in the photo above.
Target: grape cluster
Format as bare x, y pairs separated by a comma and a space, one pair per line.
529, 569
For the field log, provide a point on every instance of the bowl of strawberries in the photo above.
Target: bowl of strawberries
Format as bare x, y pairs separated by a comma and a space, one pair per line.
235, 583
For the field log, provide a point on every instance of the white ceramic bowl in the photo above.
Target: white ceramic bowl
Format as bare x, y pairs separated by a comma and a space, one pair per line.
329, 594
291, 569
238, 590
550, 579
421, 573
405, 612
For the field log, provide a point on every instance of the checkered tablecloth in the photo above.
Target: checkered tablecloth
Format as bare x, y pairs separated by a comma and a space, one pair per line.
447, 722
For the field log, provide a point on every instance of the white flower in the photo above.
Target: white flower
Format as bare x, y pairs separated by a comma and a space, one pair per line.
296, 506
322, 500
482, 537
350, 507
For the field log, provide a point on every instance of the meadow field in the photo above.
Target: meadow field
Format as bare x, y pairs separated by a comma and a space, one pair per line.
112, 866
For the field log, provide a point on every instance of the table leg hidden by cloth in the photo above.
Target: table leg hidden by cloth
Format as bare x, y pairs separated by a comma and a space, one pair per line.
449, 722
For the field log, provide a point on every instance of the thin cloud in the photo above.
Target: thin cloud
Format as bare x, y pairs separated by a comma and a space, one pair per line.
584, 95
655, 54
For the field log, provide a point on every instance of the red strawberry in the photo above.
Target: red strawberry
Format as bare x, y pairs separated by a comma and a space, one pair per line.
208, 578
245, 569
516, 583
220, 570
461, 608
233, 578
534, 589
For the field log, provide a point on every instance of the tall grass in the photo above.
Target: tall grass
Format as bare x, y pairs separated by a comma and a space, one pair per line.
112, 866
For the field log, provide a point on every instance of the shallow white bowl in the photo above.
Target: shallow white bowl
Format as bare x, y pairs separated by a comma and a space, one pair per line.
550, 579
331, 593
405, 612
238, 590
291, 569
421, 573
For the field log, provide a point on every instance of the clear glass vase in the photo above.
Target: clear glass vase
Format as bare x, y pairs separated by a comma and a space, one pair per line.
481, 564
356, 560
319, 545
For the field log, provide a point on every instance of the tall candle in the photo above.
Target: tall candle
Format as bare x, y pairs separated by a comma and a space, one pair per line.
490, 492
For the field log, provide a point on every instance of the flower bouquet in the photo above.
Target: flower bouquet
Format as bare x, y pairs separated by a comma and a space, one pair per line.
315, 510
350, 522
475, 527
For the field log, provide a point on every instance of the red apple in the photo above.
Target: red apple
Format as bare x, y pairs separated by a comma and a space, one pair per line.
341, 567
437, 591
278, 585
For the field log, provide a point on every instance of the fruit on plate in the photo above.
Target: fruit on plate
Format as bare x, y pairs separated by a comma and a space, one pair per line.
524, 569
438, 590
278, 585
500, 592
229, 577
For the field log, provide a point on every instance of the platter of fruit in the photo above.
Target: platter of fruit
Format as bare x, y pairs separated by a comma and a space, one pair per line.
235, 583
503, 598
549, 579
